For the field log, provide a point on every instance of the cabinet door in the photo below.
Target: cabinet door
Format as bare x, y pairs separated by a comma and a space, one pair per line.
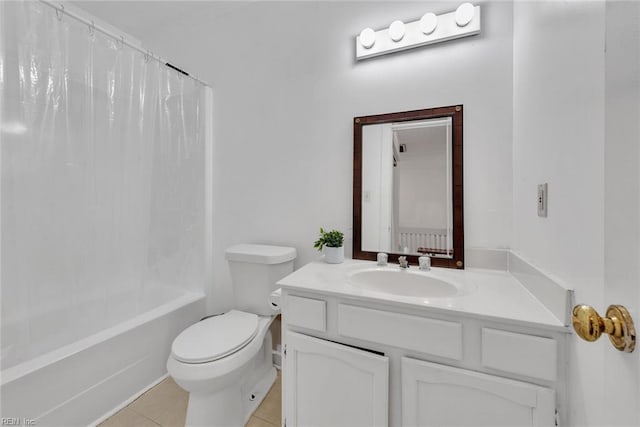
438, 395
329, 384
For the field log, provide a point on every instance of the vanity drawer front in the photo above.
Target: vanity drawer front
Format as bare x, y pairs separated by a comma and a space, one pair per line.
306, 313
519, 353
429, 336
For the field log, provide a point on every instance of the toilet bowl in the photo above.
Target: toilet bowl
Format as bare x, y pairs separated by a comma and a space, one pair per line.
224, 389
225, 361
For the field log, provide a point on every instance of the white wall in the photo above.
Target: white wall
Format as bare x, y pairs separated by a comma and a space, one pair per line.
558, 136
423, 188
286, 88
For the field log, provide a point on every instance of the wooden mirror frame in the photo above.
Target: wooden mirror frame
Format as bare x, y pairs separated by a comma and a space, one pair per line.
455, 112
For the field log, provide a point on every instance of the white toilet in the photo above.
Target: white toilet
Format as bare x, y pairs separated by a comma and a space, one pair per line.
225, 361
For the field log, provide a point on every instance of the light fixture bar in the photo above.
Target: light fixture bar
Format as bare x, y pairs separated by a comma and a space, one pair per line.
447, 29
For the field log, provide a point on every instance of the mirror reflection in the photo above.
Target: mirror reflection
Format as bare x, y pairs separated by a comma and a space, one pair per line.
406, 187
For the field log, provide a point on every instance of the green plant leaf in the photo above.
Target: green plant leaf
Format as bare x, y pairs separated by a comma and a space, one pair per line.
332, 239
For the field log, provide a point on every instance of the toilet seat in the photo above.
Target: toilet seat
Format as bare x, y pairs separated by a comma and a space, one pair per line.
215, 338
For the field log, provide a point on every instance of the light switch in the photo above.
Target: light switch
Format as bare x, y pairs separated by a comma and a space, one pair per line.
542, 200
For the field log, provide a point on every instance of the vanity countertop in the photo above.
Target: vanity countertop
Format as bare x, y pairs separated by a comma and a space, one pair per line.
490, 294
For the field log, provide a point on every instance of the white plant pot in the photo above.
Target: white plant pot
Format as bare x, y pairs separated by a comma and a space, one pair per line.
334, 255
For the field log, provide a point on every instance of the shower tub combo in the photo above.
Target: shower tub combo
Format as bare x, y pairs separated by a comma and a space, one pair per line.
106, 233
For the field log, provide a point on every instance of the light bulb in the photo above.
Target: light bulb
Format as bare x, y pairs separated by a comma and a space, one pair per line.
367, 38
396, 31
428, 23
464, 14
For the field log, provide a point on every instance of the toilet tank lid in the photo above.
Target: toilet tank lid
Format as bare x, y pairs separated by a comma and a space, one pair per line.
260, 254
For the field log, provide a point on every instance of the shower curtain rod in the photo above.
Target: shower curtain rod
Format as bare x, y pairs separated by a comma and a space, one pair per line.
60, 10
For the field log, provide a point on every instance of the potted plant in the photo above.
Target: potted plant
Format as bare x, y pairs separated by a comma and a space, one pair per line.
332, 243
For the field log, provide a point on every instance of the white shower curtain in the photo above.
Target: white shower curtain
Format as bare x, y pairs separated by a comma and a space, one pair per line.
102, 169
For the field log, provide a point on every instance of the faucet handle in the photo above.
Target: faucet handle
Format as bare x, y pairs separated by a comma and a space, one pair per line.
424, 263
382, 259
402, 260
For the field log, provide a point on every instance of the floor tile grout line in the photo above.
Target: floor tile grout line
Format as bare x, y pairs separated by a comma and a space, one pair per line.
263, 419
143, 415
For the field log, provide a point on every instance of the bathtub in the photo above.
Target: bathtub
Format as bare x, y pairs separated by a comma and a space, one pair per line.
85, 381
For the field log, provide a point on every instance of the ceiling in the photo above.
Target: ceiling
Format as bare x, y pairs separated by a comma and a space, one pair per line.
421, 142
143, 18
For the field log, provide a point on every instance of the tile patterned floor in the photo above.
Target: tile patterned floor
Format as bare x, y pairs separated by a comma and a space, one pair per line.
165, 405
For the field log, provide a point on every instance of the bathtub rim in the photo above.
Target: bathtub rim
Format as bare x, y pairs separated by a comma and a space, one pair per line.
33, 365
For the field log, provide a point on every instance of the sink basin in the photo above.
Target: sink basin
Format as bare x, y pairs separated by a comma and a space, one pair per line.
403, 283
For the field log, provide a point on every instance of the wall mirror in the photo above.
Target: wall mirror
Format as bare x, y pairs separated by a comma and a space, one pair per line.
407, 186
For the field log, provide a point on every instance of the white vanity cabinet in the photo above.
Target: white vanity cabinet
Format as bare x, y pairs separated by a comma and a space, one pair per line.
440, 396
352, 362
330, 384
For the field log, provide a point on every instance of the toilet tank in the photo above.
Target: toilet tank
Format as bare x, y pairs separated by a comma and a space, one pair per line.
255, 269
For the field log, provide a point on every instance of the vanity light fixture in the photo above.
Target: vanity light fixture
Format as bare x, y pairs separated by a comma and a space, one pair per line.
429, 29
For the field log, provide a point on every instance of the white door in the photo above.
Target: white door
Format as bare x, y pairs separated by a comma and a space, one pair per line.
435, 395
377, 187
620, 395
329, 384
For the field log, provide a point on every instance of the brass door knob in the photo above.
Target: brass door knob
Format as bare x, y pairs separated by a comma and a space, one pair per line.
617, 324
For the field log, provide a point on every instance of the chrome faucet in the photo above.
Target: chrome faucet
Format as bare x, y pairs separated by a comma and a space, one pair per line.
402, 261
424, 263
